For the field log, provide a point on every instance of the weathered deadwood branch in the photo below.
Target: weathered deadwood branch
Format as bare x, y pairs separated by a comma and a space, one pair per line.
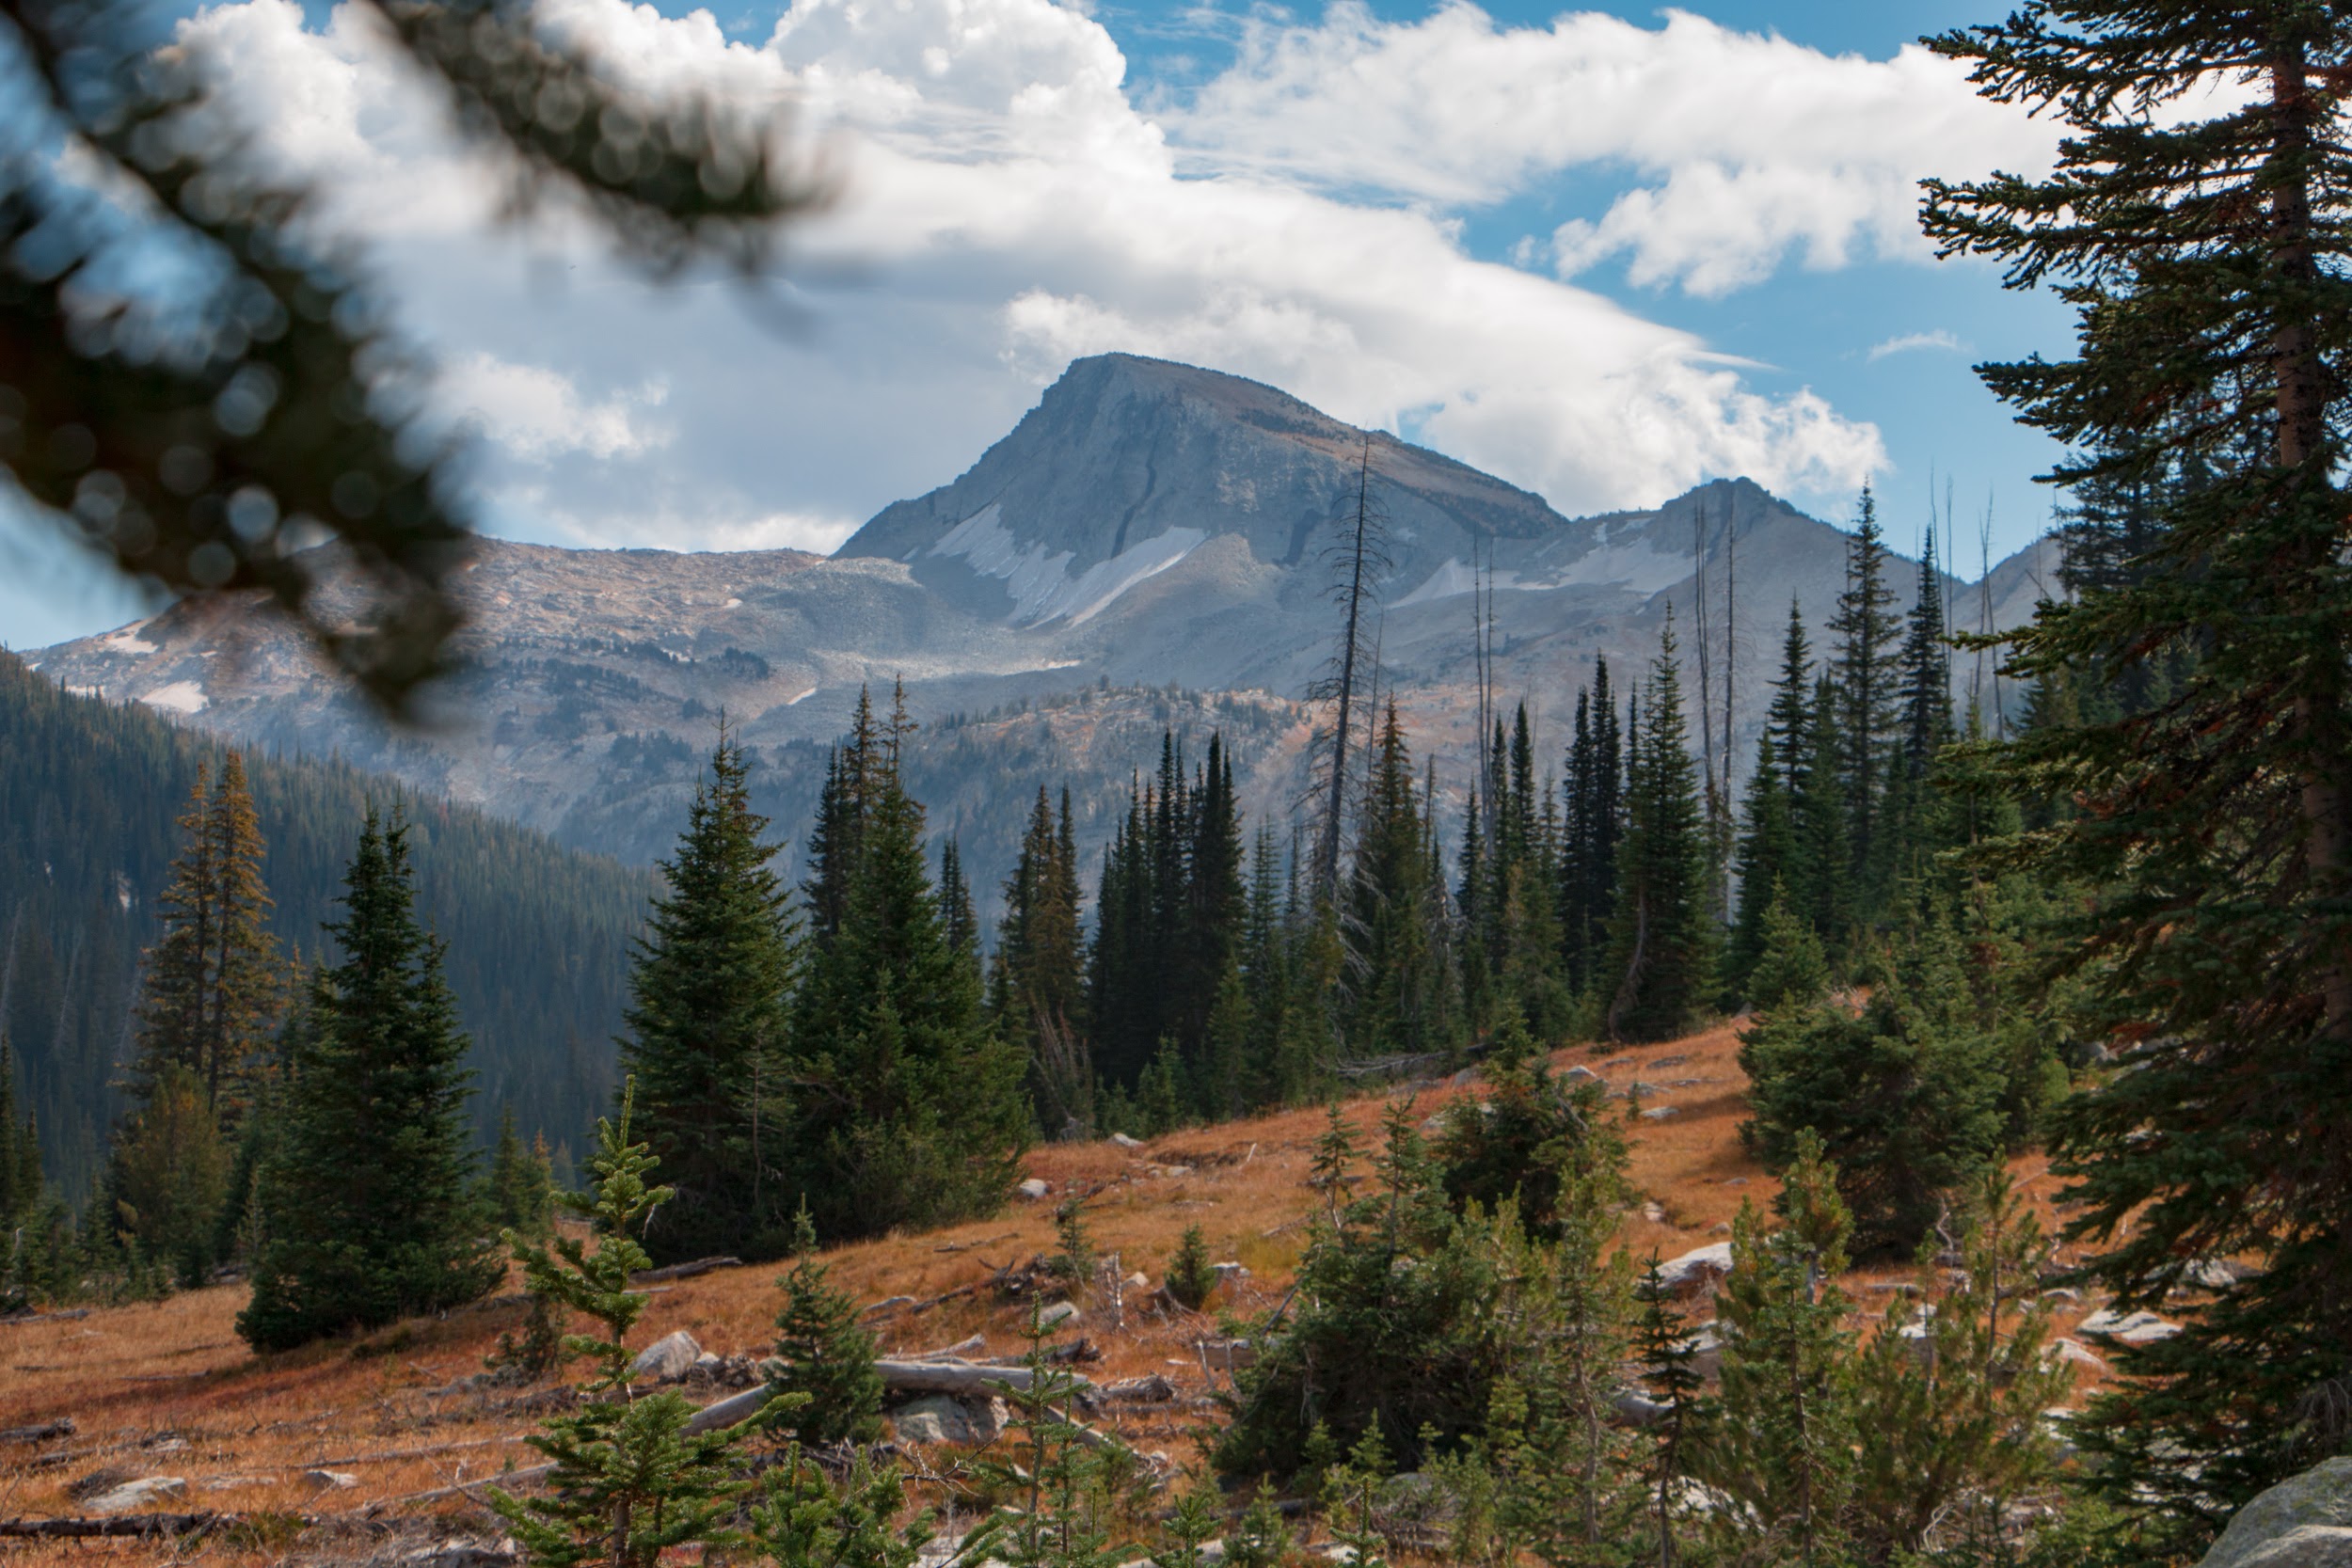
683, 1271
41, 1432
126, 1526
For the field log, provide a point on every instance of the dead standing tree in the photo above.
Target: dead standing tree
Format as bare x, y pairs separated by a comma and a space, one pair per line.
1359, 558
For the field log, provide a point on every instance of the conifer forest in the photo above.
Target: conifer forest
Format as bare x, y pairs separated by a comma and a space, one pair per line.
1906, 1126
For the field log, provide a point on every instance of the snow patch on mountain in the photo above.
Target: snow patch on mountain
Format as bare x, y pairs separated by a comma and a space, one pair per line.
184, 697
1039, 581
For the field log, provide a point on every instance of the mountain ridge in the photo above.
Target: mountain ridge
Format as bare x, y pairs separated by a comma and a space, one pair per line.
1147, 526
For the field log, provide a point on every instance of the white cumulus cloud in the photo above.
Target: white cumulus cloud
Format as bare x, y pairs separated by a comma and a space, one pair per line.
1007, 203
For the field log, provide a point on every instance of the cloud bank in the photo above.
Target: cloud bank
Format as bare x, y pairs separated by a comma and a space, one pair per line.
1008, 203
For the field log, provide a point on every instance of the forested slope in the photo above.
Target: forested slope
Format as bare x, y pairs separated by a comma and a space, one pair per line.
88, 793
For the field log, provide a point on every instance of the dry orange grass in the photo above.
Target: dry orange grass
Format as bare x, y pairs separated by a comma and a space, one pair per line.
169, 1389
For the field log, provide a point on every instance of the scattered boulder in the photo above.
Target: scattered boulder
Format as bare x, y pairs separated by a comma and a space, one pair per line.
329, 1481
2127, 1328
1059, 1314
1230, 1274
668, 1359
457, 1552
2067, 1352
2303, 1521
134, 1496
1697, 1269
1705, 1344
943, 1419
1034, 1190
1123, 1141
1661, 1113
2212, 1273
2059, 1296
1654, 1211
1580, 1074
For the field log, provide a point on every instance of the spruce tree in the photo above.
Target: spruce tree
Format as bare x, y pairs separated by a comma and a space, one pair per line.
1394, 995
369, 1196
520, 1190
1866, 677
2205, 253
824, 1359
1782, 1440
631, 1481
1661, 951
171, 1176
907, 1108
707, 1024
1906, 1096
212, 987
1036, 977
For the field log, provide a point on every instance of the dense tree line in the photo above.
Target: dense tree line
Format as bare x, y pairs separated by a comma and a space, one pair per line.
90, 795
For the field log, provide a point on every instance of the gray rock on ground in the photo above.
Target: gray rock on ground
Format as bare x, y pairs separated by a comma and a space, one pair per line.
943, 1419
667, 1359
2303, 1521
1697, 1269
1034, 1189
2127, 1328
136, 1497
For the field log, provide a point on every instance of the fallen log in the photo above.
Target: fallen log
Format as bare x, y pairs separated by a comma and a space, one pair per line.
41, 1432
408, 1453
29, 1316
953, 1352
683, 1271
956, 1377
126, 1526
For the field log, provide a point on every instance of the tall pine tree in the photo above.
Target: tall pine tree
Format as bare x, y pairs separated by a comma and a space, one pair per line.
1662, 949
906, 1108
369, 1197
2207, 255
707, 1024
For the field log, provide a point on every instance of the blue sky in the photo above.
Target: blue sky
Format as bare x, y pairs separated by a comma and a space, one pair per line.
1604, 253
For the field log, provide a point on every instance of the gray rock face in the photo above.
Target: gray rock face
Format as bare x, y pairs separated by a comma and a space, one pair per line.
2303, 1521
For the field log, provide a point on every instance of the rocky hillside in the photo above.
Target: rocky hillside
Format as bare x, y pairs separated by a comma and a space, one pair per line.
1147, 526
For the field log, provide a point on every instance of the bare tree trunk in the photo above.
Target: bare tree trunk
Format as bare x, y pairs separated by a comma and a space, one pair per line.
1359, 554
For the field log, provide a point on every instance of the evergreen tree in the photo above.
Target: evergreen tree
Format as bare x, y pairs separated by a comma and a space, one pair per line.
1952, 1388
707, 1026
1664, 1354
1037, 979
1906, 1097
1867, 680
1589, 827
1825, 889
961, 921
824, 1359
520, 1193
1767, 857
907, 1108
19, 1147
1396, 993
368, 1199
1662, 945
212, 987
2205, 254
171, 1176
1776, 846
630, 1480
1782, 1440
1790, 970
